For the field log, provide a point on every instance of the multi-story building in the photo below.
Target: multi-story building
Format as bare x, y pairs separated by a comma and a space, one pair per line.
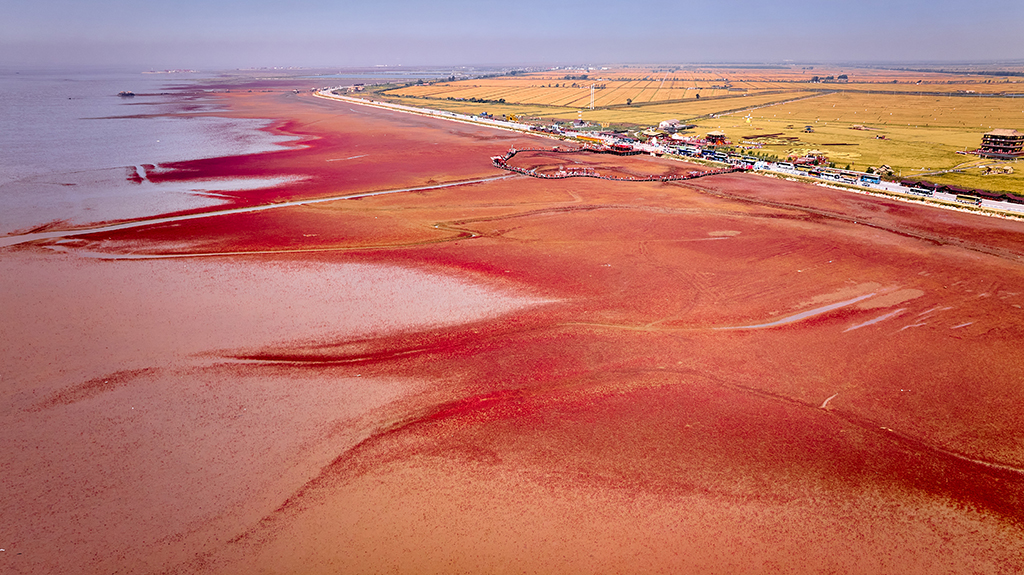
1003, 144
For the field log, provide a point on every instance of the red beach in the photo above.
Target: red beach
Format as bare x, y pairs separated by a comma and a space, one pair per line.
401, 358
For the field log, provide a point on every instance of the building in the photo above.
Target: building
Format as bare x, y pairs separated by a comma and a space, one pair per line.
675, 126
1003, 144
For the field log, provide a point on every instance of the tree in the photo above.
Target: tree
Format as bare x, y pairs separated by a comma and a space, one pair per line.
629, 101
698, 95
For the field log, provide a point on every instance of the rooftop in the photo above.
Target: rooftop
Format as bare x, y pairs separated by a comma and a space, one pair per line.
1004, 132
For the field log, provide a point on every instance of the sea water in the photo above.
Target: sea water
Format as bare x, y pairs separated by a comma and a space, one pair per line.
68, 140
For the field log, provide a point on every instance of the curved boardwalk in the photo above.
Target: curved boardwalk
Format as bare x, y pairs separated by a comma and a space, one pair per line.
502, 162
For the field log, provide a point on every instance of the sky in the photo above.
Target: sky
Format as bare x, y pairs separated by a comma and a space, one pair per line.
216, 34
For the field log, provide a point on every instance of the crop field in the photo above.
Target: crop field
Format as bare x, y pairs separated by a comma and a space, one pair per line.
914, 121
919, 136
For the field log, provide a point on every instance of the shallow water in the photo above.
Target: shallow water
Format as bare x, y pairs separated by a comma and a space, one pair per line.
68, 140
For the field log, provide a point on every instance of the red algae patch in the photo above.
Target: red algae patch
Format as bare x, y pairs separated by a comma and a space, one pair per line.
166, 464
127, 315
656, 471
155, 447
435, 517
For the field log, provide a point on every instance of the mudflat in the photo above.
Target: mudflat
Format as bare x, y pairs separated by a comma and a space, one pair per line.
497, 373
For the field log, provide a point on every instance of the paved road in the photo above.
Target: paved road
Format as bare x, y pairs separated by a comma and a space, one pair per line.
899, 188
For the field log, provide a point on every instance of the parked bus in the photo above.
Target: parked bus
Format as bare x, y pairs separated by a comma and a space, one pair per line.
920, 192
965, 199
871, 179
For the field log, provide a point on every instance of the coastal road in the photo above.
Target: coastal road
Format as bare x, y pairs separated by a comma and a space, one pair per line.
901, 189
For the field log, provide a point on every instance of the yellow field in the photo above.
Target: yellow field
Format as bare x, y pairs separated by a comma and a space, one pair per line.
894, 110
922, 134
913, 121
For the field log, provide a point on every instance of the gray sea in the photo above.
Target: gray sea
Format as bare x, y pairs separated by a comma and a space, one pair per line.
67, 141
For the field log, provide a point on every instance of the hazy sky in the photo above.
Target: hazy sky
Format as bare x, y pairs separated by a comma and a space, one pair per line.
242, 33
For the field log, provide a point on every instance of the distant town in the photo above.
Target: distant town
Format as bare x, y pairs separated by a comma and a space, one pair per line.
672, 138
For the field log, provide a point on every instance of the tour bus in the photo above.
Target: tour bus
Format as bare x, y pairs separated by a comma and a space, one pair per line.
920, 191
966, 199
784, 166
871, 179
829, 174
849, 177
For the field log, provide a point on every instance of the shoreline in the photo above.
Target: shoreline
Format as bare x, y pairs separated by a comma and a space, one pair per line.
16, 239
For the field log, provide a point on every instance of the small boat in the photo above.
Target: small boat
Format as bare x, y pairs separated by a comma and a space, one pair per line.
126, 94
